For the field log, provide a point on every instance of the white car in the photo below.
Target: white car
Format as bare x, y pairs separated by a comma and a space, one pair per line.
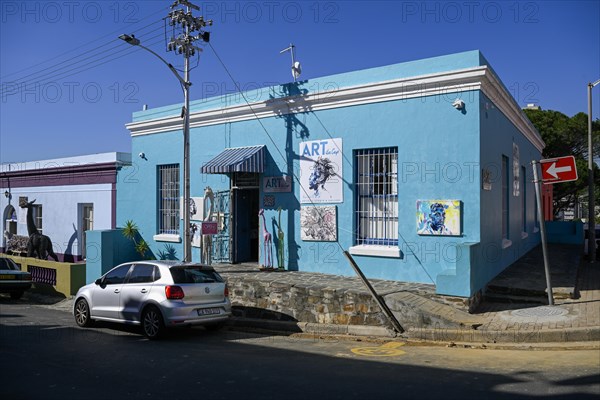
155, 295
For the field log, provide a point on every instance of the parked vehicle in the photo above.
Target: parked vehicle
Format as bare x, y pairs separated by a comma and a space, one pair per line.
155, 295
12, 279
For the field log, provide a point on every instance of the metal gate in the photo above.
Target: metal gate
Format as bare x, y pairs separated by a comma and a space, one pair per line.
222, 240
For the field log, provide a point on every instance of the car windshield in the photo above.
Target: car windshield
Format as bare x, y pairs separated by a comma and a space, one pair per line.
8, 264
194, 275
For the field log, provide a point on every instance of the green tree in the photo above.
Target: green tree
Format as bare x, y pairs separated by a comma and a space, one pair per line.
566, 136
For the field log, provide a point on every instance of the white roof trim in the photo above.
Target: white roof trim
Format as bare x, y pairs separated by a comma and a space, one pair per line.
476, 78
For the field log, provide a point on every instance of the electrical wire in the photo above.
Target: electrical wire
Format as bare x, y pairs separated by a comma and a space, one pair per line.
52, 73
85, 44
63, 73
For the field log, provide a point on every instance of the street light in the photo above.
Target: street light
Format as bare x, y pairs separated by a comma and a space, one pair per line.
185, 84
183, 44
591, 200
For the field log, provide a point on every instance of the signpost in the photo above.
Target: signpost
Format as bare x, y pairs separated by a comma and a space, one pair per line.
554, 170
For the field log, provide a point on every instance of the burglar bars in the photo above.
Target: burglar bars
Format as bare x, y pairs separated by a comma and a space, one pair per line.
168, 195
376, 200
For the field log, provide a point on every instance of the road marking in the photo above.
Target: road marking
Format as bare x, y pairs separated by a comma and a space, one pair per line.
389, 349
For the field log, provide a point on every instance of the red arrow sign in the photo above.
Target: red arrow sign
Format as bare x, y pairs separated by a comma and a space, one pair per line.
561, 169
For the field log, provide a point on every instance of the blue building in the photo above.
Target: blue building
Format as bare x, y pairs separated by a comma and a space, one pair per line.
421, 170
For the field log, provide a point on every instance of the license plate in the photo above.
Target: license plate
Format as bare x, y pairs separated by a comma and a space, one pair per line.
8, 277
209, 311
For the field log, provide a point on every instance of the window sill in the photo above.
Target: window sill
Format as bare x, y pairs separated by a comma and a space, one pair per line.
524, 235
376, 251
506, 243
167, 238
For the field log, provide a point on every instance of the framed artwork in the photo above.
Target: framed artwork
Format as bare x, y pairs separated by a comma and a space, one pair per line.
321, 172
318, 223
439, 217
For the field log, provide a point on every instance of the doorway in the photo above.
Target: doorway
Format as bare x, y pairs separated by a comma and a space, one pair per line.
245, 230
86, 224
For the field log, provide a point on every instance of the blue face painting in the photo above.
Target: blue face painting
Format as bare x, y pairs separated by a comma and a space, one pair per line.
437, 216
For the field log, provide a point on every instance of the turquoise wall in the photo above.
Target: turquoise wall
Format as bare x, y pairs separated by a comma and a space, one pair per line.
440, 153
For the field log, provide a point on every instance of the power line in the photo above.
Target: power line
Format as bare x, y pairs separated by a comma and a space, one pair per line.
52, 71
60, 74
84, 45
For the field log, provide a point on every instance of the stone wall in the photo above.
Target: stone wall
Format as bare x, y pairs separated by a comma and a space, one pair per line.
303, 302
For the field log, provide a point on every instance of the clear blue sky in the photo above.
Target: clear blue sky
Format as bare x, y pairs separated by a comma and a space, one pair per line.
82, 84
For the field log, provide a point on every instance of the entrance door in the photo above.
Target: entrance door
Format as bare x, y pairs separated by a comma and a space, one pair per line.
222, 240
246, 225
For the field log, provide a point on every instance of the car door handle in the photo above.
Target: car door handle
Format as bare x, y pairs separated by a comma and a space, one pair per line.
144, 290
117, 290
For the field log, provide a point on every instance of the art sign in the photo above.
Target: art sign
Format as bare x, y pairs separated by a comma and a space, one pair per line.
438, 217
321, 171
277, 184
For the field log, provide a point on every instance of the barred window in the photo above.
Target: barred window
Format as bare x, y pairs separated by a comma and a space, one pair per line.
168, 199
376, 201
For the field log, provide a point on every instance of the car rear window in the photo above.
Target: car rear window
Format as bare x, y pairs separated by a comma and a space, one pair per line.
194, 275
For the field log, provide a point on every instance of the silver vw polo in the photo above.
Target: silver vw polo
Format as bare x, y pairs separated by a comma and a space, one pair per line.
155, 295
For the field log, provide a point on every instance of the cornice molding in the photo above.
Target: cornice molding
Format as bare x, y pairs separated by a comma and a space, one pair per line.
445, 83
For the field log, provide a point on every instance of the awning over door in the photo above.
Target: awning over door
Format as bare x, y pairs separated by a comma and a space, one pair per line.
238, 159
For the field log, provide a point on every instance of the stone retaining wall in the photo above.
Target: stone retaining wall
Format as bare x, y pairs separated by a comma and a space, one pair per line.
254, 298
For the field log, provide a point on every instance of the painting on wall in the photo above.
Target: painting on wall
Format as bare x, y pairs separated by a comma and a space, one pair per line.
196, 234
318, 223
438, 217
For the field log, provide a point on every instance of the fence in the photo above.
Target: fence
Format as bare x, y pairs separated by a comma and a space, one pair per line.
64, 278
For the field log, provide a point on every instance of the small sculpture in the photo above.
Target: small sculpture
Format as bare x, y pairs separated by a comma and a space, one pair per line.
38, 244
280, 237
207, 239
267, 241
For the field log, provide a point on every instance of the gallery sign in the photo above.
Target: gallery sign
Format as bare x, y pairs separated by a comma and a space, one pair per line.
277, 184
321, 171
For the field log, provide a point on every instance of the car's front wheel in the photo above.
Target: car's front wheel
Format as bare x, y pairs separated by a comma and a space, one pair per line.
152, 323
82, 313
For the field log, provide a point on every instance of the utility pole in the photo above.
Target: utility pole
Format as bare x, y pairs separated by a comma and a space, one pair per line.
184, 44
591, 194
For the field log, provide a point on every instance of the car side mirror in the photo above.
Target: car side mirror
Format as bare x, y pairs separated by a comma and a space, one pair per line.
98, 282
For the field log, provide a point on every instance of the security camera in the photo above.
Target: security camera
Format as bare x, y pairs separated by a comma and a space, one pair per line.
458, 104
142, 155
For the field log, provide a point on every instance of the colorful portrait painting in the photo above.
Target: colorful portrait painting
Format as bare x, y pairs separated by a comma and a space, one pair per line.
438, 217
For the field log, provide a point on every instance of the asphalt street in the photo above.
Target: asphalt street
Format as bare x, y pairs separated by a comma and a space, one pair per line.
46, 356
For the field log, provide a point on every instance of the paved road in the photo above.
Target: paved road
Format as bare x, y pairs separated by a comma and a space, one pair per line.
45, 356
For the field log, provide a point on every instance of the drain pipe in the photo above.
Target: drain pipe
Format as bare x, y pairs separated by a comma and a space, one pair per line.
386, 310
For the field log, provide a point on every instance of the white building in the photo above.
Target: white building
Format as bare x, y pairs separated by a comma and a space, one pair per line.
72, 195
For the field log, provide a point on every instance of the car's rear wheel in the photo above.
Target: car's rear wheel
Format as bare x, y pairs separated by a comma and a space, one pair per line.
152, 323
16, 295
82, 313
